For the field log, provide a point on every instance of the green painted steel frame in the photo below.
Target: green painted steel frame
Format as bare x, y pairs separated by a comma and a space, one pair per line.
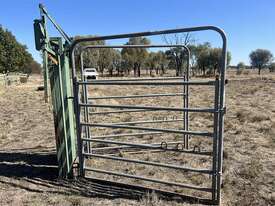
57, 79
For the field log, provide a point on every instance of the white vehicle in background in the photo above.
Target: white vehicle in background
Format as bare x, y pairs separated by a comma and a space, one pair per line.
90, 73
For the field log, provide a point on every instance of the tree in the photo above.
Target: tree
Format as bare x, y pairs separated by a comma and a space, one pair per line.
209, 59
13, 55
34, 68
135, 57
241, 65
272, 67
90, 56
260, 58
115, 62
177, 56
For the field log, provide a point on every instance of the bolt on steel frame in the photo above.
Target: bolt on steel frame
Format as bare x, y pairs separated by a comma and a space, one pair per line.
66, 94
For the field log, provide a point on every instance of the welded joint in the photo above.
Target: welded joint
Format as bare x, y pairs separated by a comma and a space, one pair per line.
223, 110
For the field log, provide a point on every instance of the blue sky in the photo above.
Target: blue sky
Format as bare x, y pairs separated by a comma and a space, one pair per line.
249, 24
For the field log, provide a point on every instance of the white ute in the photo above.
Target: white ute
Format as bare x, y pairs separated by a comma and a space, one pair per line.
90, 73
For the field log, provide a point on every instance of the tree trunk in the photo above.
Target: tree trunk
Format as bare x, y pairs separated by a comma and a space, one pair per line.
162, 69
151, 68
139, 70
259, 70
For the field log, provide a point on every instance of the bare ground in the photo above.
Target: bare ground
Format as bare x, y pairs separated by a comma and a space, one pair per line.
28, 163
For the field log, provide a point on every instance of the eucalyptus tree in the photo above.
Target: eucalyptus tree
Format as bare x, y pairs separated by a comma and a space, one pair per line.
260, 58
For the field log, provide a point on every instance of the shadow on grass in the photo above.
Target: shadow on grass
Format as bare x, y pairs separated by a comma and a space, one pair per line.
39, 170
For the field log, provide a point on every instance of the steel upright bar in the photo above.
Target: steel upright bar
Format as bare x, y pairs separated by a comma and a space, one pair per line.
222, 110
78, 128
187, 101
45, 56
85, 99
215, 140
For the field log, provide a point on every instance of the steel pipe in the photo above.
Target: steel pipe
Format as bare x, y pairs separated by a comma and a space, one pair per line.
143, 83
209, 110
196, 133
148, 179
170, 166
163, 146
137, 96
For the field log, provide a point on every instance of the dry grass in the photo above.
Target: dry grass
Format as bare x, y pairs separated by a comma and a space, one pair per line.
27, 143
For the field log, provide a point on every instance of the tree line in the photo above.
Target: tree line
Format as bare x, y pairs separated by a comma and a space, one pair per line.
259, 59
204, 59
14, 56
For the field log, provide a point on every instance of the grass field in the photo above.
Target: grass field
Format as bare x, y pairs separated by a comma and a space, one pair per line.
27, 154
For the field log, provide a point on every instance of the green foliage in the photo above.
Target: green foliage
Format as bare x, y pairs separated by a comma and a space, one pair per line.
208, 59
176, 56
135, 57
260, 58
90, 56
272, 67
13, 55
241, 65
157, 61
204, 59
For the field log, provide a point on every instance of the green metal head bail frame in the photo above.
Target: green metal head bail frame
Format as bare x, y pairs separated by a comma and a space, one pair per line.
57, 80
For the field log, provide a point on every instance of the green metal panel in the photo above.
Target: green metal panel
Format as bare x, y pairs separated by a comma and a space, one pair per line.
61, 91
39, 34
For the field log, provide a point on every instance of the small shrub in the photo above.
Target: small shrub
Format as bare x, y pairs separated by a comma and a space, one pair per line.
23, 79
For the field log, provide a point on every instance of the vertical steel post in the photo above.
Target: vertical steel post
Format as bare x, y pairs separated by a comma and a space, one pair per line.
45, 75
85, 99
45, 56
221, 116
77, 119
215, 140
184, 112
79, 130
187, 97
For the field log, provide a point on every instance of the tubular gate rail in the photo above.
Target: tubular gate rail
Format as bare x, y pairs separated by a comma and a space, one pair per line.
76, 114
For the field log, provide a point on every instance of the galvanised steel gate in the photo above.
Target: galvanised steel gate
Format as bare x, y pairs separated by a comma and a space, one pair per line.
111, 146
100, 141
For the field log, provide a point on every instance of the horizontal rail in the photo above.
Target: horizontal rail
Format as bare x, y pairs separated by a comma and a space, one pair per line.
171, 166
125, 135
148, 179
138, 79
134, 46
163, 146
146, 122
125, 147
138, 96
148, 107
120, 111
150, 83
181, 150
206, 134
